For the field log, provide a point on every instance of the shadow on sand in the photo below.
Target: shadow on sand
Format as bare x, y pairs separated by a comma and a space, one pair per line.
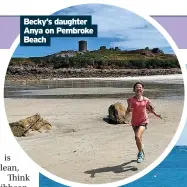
116, 169
107, 120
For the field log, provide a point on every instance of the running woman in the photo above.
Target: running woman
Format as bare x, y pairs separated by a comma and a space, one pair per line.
139, 105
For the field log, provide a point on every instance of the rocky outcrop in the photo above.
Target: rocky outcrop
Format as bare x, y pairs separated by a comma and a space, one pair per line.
32, 123
117, 114
98, 63
15, 73
157, 51
147, 53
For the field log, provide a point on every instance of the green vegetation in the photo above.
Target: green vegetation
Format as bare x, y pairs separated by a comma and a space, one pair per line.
103, 59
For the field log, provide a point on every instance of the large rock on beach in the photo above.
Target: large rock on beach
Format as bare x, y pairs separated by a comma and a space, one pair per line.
117, 114
32, 123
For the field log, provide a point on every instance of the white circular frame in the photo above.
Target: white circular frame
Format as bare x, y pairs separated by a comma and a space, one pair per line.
169, 147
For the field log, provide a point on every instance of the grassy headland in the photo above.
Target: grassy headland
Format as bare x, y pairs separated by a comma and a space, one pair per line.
99, 63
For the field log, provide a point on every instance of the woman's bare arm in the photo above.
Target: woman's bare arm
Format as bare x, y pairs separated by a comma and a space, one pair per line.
129, 108
151, 109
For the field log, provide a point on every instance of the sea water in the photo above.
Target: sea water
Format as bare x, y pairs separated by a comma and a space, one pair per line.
156, 87
172, 172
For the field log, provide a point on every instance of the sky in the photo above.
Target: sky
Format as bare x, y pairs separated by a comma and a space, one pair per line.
117, 27
183, 138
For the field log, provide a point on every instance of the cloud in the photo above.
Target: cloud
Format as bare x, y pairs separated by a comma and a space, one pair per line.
129, 29
141, 39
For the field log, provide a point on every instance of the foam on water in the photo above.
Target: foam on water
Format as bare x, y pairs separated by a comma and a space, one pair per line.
155, 78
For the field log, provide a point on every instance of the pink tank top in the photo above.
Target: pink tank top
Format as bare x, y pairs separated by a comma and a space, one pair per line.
139, 114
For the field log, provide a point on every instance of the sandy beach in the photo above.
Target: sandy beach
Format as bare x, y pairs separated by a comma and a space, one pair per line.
82, 147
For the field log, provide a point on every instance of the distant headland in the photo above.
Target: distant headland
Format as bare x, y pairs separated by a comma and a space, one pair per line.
103, 62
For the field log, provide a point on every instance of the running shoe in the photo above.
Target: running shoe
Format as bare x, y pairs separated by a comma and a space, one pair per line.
140, 157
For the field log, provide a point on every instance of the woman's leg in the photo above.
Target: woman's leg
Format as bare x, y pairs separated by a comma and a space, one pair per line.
138, 137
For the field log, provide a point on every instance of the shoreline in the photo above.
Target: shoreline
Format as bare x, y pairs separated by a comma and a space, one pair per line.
128, 78
147, 77
90, 88
18, 74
